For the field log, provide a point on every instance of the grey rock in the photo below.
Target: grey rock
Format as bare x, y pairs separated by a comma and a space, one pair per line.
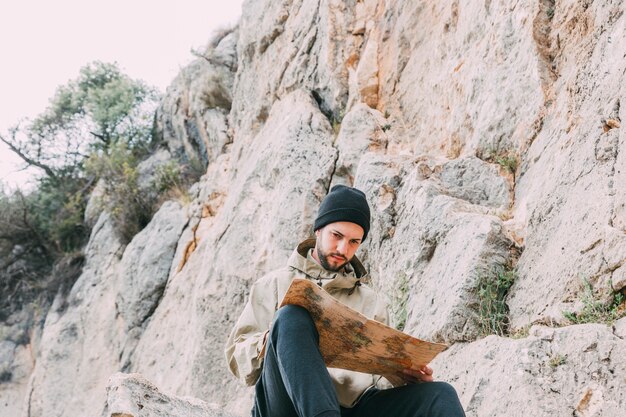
95, 204
470, 82
568, 194
192, 118
619, 328
578, 371
7, 351
361, 131
16, 365
293, 44
433, 246
146, 263
475, 181
133, 395
81, 343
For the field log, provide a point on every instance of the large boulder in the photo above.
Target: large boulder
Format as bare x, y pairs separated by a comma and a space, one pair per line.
131, 395
146, 264
576, 370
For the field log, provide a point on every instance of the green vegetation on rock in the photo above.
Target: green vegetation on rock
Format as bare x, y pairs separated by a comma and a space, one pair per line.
595, 310
399, 301
491, 290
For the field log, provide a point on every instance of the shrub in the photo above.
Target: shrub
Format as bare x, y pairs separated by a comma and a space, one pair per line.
130, 208
399, 302
557, 360
597, 311
172, 180
506, 160
491, 291
37, 229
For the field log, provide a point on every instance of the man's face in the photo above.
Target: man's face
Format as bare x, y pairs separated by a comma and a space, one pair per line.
336, 244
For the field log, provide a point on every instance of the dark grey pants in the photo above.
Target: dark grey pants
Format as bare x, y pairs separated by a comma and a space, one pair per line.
294, 381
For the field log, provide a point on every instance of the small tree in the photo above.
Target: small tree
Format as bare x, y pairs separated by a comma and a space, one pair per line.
102, 114
98, 108
88, 116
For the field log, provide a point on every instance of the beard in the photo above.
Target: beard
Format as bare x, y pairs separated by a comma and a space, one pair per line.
325, 262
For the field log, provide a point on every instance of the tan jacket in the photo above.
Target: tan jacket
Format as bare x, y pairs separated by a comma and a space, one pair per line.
246, 339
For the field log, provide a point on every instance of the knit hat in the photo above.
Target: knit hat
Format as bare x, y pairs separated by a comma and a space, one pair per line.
344, 204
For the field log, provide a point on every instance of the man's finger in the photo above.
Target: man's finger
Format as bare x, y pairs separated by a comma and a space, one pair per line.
427, 370
422, 375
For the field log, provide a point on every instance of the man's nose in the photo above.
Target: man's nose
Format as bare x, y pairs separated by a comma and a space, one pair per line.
341, 247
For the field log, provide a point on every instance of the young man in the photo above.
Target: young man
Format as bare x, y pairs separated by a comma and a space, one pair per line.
277, 349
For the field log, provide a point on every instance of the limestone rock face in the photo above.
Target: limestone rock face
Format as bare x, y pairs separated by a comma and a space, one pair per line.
576, 370
15, 369
361, 131
293, 44
146, 263
574, 214
485, 135
463, 77
475, 181
192, 118
82, 335
428, 248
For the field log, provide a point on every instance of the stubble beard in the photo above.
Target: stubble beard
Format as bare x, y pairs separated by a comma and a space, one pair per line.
324, 261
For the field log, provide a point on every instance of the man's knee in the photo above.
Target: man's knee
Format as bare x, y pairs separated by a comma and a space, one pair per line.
445, 390
292, 317
437, 392
444, 399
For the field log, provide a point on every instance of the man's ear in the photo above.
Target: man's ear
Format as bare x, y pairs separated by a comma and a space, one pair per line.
317, 232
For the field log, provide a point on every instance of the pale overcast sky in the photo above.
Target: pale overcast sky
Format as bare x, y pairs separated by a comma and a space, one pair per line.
44, 43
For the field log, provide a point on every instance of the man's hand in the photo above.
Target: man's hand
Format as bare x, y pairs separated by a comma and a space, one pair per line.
411, 376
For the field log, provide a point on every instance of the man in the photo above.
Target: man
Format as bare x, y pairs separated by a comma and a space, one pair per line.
278, 349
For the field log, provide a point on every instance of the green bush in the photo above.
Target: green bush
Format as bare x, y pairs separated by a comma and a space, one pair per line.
49, 217
130, 208
491, 291
173, 179
36, 231
168, 176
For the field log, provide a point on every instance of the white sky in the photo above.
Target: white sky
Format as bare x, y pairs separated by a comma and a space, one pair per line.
44, 43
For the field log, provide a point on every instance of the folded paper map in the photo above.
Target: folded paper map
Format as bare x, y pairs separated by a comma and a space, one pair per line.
349, 340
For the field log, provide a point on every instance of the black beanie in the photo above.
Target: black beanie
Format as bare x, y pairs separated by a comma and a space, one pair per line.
344, 204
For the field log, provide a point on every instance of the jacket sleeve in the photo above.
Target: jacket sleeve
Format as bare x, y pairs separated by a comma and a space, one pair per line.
246, 339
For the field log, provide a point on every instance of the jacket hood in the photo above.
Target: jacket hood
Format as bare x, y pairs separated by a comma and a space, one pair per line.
349, 276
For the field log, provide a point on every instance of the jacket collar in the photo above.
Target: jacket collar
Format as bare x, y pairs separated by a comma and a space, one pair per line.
349, 277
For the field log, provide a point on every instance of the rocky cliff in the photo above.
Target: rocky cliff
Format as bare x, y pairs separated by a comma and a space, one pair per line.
487, 137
